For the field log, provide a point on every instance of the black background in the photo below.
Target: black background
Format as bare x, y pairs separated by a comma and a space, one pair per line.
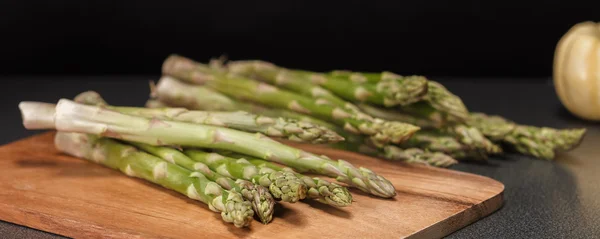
435, 38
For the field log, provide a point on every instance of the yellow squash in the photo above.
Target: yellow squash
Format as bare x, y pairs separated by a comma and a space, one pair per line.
577, 70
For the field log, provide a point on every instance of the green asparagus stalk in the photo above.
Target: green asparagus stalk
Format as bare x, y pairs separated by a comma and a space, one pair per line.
438, 102
134, 163
436, 141
540, 142
73, 117
283, 185
353, 142
470, 137
382, 132
179, 94
395, 91
419, 156
318, 189
275, 127
260, 198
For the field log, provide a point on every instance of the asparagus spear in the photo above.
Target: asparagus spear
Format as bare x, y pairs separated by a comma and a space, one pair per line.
318, 189
382, 132
353, 142
275, 127
283, 185
134, 163
470, 137
540, 142
179, 94
262, 201
396, 90
438, 99
437, 141
74, 117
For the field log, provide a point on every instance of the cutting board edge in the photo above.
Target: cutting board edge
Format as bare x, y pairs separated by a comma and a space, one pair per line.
440, 228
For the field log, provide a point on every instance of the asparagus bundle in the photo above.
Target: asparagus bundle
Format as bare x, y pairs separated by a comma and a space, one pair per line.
318, 189
258, 195
382, 132
74, 117
392, 90
134, 163
262, 204
438, 134
285, 185
275, 127
180, 94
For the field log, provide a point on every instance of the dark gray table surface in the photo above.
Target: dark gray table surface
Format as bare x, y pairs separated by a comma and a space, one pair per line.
543, 199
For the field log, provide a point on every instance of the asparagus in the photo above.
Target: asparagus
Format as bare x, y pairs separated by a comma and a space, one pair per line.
436, 141
283, 185
352, 142
192, 97
438, 101
395, 91
540, 142
260, 198
275, 127
74, 117
318, 189
470, 137
134, 163
382, 132
419, 156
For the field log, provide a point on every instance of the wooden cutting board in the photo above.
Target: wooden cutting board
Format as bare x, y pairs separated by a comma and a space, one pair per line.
44, 189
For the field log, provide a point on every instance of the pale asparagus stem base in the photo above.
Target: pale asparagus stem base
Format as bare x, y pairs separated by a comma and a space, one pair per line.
241, 120
37, 115
262, 201
355, 143
382, 132
134, 163
283, 185
73, 117
318, 189
188, 99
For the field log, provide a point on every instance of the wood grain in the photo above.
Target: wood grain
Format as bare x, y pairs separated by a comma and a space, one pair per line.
44, 189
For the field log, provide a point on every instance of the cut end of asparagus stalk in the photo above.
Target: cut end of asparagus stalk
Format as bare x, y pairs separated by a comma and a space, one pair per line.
37, 115
172, 91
